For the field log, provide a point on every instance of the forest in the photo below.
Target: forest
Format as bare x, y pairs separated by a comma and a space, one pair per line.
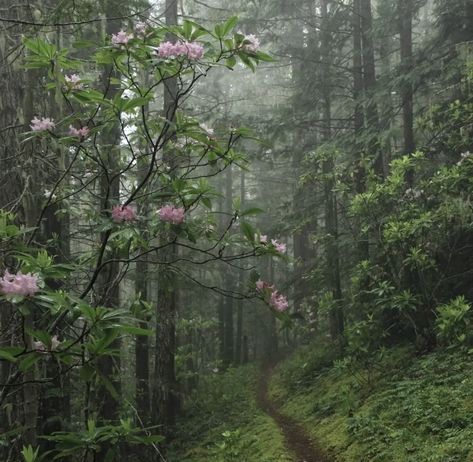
236, 230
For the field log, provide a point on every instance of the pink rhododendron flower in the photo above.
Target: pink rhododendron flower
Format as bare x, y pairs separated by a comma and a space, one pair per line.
54, 343
278, 301
272, 296
171, 214
192, 50
261, 285
73, 81
19, 284
121, 38
43, 124
41, 347
263, 239
166, 50
123, 213
140, 28
281, 248
251, 43
210, 132
80, 133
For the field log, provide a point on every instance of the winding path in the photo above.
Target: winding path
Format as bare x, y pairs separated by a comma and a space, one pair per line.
296, 438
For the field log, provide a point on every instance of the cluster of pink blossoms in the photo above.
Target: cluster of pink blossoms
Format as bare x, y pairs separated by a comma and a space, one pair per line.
279, 246
251, 43
273, 297
81, 133
140, 29
43, 124
192, 50
171, 214
278, 301
121, 38
19, 284
123, 213
210, 132
41, 347
73, 81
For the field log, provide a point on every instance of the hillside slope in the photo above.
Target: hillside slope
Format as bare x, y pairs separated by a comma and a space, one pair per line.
403, 408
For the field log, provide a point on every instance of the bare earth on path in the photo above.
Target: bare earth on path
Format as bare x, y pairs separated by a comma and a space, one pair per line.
296, 439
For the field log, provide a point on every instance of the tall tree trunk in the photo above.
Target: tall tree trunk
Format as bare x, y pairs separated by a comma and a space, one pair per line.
241, 276
358, 117
142, 348
331, 213
31, 207
369, 83
303, 141
221, 301
357, 97
165, 394
405, 8
55, 226
11, 182
272, 345
228, 280
143, 292
387, 112
108, 290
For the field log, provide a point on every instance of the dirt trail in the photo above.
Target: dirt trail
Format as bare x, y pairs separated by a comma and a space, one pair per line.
295, 436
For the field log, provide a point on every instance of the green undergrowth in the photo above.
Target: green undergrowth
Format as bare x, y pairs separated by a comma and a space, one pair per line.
222, 423
404, 408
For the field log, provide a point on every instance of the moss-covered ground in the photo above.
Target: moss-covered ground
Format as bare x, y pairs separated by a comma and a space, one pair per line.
403, 408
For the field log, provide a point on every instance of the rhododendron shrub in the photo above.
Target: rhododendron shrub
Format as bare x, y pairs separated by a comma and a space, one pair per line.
137, 161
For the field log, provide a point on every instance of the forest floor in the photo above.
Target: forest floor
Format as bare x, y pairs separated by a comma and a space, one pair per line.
222, 422
296, 439
404, 407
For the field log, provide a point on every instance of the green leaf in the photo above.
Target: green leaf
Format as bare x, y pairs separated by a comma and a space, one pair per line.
187, 29
8, 356
230, 25
231, 62
264, 57
218, 31
248, 231
251, 211
89, 96
207, 202
136, 330
28, 362
86, 372
246, 61
45, 51
109, 386
128, 105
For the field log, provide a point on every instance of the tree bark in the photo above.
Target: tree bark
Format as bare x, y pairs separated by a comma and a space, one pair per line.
369, 83
228, 281
108, 282
328, 167
241, 276
405, 27
165, 394
358, 117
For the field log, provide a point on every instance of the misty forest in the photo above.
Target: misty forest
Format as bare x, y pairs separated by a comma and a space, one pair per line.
236, 230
